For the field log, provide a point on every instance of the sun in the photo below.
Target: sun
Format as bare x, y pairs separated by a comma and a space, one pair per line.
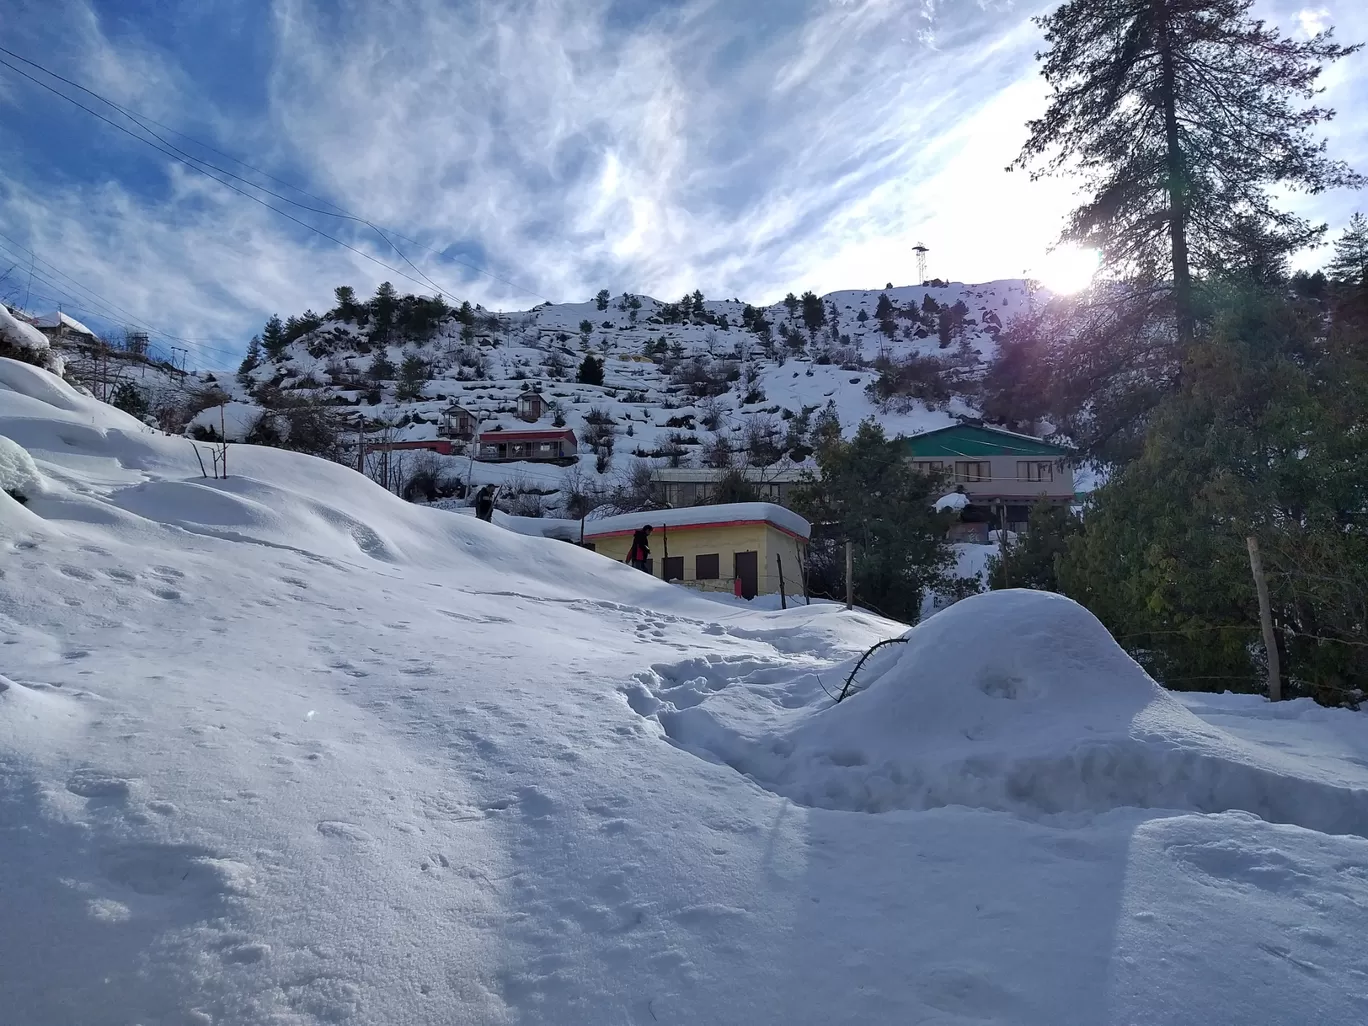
1068, 269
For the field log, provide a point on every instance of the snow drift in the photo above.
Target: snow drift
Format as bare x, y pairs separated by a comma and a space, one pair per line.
285, 749
1018, 701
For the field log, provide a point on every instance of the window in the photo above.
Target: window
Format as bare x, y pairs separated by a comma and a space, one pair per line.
707, 568
929, 466
972, 472
1028, 471
674, 568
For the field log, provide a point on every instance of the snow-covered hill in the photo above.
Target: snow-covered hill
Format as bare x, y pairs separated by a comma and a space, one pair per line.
682, 382
281, 748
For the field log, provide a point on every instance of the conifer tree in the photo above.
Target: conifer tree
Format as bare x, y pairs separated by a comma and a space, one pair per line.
250, 362
273, 339
814, 313
601, 300
884, 310
791, 303
1182, 117
1350, 262
590, 371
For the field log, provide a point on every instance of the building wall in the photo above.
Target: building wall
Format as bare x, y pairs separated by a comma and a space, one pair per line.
724, 541
1005, 478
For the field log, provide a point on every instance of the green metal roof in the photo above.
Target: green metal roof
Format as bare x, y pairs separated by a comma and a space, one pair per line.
972, 440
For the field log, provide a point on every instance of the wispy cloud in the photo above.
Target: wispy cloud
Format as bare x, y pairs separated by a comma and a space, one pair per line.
566, 145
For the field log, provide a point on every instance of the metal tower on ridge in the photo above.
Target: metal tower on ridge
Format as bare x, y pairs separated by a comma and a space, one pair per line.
921, 250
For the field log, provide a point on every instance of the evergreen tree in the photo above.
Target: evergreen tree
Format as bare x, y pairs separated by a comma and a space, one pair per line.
127, 398
697, 300
590, 371
381, 368
814, 312
862, 316
865, 495
944, 328
412, 373
1032, 561
250, 362
1350, 262
347, 307
1259, 440
791, 302
601, 300
586, 329
884, 310
382, 308
1181, 116
273, 339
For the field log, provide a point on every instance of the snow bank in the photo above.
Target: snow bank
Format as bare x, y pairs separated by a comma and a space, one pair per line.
1019, 701
27, 338
693, 515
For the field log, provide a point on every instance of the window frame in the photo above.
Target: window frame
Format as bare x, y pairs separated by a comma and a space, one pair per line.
963, 476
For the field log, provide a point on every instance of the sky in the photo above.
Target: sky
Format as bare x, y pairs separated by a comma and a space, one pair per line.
511, 152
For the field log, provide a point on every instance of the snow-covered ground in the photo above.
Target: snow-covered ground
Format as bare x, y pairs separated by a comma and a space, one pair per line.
284, 749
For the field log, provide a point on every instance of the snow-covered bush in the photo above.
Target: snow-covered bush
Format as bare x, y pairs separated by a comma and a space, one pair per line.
19, 477
20, 341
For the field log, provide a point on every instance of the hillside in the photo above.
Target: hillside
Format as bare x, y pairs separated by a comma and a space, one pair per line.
282, 748
699, 382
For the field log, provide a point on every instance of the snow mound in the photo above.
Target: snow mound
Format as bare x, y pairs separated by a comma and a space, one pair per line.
1016, 701
18, 473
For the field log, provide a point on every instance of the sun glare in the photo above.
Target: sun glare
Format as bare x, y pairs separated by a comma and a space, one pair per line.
1068, 269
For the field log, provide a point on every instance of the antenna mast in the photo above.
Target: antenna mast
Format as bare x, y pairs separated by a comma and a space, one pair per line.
921, 250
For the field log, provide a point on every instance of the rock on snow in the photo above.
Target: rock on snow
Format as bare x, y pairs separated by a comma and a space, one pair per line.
283, 749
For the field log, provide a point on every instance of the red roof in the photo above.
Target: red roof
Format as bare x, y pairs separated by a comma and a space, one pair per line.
544, 435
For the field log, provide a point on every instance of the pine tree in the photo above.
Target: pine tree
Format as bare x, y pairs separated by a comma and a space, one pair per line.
1182, 116
884, 310
814, 312
412, 373
586, 329
273, 339
382, 308
590, 371
944, 328
250, 362
791, 302
347, 307
381, 368
698, 309
866, 496
1350, 262
601, 300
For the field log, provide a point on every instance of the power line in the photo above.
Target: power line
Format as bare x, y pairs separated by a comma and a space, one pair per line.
110, 309
186, 158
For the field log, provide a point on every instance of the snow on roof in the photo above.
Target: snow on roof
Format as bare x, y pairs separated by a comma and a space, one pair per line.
955, 500
26, 337
694, 516
58, 319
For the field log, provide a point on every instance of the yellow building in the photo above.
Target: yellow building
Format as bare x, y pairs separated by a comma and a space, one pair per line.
745, 548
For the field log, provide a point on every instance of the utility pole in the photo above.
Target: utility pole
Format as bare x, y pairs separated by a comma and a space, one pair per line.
360, 443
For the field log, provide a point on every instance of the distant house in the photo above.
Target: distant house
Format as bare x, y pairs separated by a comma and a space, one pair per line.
459, 423
532, 406
536, 445
62, 326
692, 486
1001, 473
743, 548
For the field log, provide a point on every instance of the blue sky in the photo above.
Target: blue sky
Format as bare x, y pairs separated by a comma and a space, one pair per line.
744, 147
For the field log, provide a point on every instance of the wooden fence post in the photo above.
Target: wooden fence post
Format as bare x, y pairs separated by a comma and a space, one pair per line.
783, 599
1265, 620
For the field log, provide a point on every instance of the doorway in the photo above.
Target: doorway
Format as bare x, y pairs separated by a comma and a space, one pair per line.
748, 573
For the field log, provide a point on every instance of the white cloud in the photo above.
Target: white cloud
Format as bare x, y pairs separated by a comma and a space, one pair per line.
709, 145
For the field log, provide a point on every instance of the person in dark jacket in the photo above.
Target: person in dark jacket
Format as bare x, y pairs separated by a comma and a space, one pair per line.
639, 555
484, 504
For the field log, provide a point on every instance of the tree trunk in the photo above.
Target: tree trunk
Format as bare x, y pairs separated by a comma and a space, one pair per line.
1177, 179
